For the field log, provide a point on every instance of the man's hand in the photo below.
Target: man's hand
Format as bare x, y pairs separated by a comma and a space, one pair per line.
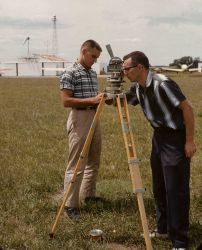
97, 98
190, 149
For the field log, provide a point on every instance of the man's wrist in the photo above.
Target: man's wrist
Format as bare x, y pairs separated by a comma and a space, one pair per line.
189, 138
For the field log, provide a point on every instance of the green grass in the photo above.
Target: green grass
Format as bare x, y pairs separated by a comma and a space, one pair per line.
33, 153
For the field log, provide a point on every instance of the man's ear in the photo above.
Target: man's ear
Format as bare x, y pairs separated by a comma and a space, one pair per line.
141, 66
84, 50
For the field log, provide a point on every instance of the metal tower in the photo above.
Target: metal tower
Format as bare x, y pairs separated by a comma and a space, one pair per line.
54, 41
27, 41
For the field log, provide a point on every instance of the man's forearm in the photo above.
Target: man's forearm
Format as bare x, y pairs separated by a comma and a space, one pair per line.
188, 116
69, 100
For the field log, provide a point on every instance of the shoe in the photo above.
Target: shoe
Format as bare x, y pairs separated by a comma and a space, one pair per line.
156, 234
93, 199
178, 248
72, 212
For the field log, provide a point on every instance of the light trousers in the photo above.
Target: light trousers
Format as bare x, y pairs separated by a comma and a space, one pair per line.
78, 126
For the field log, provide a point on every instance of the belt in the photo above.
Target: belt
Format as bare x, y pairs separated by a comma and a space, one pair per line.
87, 108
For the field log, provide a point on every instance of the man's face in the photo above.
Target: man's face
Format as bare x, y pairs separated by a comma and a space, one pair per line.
90, 56
131, 70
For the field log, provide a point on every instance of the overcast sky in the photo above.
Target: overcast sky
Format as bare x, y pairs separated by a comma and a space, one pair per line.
164, 30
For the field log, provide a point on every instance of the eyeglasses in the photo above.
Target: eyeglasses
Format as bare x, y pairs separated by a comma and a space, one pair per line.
128, 68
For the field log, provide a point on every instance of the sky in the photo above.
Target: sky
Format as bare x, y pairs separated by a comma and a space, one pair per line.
163, 30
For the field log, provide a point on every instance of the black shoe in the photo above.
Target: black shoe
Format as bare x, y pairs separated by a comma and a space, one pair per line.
93, 199
72, 212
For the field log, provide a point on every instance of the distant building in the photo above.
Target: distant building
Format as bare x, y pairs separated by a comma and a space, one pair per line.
42, 67
200, 66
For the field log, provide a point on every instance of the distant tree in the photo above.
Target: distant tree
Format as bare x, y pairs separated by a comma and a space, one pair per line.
197, 59
185, 60
175, 62
195, 62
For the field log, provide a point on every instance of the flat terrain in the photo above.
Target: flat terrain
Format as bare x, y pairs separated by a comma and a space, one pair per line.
33, 156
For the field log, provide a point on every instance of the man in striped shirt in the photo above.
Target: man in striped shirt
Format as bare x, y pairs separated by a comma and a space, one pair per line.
171, 116
79, 91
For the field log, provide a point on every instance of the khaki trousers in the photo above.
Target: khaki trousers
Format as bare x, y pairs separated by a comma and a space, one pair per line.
78, 125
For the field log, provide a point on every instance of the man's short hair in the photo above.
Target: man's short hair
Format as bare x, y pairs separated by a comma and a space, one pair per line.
138, 57
91, 44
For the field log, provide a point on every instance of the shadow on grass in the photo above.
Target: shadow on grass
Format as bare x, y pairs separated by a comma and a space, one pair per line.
127, 204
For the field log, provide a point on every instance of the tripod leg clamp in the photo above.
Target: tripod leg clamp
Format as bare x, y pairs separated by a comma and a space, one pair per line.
139, 190
133, 161
125, 127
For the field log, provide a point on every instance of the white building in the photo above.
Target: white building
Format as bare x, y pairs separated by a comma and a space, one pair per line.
200, 67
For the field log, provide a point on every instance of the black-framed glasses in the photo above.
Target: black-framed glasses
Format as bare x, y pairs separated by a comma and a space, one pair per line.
128, 68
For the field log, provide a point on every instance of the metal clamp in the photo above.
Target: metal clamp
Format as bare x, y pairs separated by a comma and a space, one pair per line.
125, 127
139, 190
133, 161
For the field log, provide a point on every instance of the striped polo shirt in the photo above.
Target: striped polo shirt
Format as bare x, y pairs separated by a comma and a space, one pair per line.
82, 82
159, 100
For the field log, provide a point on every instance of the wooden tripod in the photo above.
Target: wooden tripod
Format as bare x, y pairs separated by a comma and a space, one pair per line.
132, 161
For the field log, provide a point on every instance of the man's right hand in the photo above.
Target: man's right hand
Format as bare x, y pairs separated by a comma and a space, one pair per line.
97, 98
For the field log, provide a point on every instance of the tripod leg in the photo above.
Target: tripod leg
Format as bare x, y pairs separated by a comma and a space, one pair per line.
133, 163
83, 154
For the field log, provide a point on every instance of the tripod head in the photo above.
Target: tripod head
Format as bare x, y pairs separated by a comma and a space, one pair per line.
115, 81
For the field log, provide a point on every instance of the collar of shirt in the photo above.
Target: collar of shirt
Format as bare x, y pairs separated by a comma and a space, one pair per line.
149, 79
147, 83
81, 67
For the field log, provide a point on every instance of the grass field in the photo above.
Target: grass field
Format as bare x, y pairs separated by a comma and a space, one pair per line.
33, 153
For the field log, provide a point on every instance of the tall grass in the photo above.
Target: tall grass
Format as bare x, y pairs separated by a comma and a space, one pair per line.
33, 153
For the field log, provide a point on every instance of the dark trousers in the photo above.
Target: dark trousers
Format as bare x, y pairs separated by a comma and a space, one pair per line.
171, 174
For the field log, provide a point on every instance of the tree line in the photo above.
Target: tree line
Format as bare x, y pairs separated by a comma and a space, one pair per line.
186, 60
